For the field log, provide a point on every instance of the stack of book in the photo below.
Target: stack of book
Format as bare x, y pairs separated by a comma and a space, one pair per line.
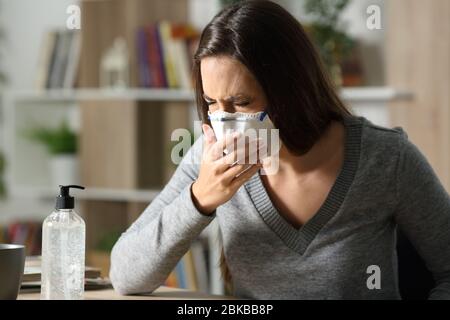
25, 233
191, 271
58, 60
31, 280
165, 53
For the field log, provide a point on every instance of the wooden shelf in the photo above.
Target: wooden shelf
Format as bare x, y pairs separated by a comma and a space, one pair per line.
90, 194
373, 94
135, 94
349, 94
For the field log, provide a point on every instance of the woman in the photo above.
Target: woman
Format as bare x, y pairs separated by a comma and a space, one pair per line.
321, 227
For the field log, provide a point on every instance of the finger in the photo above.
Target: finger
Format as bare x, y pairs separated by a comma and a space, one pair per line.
255, 148
235, 171
218, 147
246, 175
210, 137
247, 154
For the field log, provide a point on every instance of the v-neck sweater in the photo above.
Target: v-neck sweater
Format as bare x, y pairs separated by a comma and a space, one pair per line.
347, 250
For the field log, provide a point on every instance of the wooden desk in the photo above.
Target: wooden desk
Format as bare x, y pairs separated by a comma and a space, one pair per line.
162, 293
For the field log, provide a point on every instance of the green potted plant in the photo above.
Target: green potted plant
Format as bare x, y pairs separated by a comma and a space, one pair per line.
333, 43
61, 143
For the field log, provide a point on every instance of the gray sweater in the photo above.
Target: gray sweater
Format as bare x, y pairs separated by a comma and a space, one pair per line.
346, 251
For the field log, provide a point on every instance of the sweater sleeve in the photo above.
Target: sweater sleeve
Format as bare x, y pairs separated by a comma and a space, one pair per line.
423, 214
147, 252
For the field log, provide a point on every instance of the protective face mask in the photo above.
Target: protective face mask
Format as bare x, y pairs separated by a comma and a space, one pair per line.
253, 125
224, 122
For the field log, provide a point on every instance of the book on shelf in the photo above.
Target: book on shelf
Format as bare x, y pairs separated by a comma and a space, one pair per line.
180, 270
191, 271
191, 277
199, 256
58, 60
27, 233
164, 53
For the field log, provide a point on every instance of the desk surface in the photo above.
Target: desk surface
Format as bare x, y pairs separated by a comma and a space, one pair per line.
162, 293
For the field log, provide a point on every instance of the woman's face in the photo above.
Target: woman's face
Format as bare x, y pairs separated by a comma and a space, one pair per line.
229, 86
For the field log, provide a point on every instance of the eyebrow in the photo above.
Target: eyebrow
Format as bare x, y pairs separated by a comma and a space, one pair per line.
230, 98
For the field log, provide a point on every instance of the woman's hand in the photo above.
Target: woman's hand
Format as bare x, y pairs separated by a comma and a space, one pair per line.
220, 176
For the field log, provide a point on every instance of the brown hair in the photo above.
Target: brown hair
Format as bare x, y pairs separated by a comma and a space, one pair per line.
275, 48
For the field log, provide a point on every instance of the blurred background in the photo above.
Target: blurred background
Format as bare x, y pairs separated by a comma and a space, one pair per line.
91, 91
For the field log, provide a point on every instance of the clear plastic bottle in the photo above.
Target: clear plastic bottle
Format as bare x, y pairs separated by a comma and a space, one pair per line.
63, 251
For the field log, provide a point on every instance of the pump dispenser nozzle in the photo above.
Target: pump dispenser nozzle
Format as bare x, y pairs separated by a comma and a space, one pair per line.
64, 200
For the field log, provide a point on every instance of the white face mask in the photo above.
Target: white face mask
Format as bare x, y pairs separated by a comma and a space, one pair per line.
252, 125
224, 122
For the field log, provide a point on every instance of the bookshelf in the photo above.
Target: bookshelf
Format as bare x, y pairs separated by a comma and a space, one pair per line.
124, 132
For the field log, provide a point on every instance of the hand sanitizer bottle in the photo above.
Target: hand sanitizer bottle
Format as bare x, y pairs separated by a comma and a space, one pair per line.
63, 251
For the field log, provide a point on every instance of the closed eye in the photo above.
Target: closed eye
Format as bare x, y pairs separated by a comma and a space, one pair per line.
242, 104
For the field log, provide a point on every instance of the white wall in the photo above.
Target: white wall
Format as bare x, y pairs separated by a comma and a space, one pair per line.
24, 23
202, 11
